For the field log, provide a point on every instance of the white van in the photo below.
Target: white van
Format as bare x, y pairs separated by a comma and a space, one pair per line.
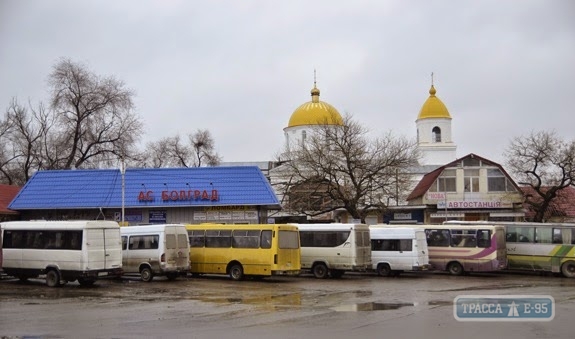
398, 249
155, 250
333, 249
61, 250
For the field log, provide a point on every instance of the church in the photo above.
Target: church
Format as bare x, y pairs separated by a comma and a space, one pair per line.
445, 187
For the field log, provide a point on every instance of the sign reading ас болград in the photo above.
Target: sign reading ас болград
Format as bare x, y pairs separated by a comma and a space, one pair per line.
504, 308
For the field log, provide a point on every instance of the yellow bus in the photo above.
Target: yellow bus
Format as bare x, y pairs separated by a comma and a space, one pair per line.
244, 250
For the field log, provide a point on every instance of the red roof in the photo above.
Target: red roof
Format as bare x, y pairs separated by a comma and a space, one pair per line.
7, 194
428, 179
561, 206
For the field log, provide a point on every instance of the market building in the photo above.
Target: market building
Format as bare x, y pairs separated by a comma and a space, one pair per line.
238, 195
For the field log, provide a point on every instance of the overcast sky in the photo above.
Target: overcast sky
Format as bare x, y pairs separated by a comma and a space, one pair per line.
240, 68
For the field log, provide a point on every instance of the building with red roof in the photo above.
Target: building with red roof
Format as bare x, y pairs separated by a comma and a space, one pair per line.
561, 208
7, 193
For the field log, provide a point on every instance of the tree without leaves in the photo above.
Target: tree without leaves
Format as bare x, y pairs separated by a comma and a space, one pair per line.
171, 152
339, 167
94, 116
22, 139
545, 163
89, 123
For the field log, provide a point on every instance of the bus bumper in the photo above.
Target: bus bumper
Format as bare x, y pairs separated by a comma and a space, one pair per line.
290, 272
421, 267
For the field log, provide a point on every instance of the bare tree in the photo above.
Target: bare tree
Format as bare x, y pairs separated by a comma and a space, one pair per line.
543, 162
94, 116
21, 137
340, 167
172, 152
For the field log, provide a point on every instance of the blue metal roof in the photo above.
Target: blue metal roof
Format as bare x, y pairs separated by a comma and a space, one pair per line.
149, 187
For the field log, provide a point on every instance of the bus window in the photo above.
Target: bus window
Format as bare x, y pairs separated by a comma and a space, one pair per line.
266, 241
525, 234
144, 242
182, 240
543, 235
218, 238
170, 241
288, 239
246, 239
196, 238
124, 242
463, 238
323, 239
511, 234
484, 238
438, 237
405, 245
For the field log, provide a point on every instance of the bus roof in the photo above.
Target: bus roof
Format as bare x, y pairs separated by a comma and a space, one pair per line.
208, 226
58, 225
331, 227
147, 228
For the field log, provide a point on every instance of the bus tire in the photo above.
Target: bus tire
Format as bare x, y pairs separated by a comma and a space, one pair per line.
52, 278
146, 274
455, 268
383, 270
86, 281
568, 269
320, 271
236, 272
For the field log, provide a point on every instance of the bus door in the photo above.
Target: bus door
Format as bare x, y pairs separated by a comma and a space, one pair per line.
112, 252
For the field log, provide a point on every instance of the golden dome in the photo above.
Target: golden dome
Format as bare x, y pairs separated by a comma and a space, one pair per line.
315, 112
433, 107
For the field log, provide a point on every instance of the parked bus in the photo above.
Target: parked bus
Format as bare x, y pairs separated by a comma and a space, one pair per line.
333, 249
152, 250
61, 250
398, 249
244, 250
547, 247
461, 248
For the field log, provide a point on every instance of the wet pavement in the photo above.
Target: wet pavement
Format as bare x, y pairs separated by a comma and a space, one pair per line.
357, 306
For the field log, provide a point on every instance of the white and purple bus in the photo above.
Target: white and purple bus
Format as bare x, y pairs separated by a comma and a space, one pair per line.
466, 248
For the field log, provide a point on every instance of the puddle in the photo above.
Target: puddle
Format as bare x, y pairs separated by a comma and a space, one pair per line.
485, 287
370, 307
439, 303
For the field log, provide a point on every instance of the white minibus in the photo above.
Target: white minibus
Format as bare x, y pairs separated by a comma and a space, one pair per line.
155, 250
61, 250
333, 249
398, 249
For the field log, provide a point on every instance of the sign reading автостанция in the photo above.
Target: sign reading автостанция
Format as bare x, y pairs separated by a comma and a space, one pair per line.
504, 308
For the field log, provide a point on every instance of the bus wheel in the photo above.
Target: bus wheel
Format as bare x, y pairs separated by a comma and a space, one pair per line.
146, 274
568, 269
86, 281
455, 268
237, 272
320, 271
52, 278
383, 270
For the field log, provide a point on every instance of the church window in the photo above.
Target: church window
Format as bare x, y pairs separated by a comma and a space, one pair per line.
303, 135
436, 134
